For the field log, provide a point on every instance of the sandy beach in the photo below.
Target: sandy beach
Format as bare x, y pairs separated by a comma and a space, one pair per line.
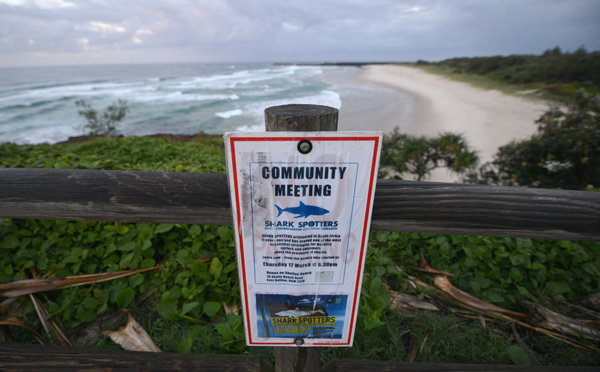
429, 104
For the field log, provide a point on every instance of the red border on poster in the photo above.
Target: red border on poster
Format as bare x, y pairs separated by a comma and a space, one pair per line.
363, 246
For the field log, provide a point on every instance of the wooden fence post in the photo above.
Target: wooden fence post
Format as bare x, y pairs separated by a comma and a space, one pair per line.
299, 118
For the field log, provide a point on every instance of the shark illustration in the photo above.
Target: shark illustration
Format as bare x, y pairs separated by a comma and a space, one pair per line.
296, 313
302, 210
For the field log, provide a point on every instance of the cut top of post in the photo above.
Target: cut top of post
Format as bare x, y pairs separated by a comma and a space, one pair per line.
301, 118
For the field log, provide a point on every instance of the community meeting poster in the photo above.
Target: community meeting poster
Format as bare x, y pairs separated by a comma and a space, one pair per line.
301, 205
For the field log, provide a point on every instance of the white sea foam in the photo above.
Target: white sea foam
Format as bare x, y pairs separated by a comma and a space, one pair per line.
72, 90
251, 128
325, 98
246, 77
179, 96
161, 99
256, 110
50, 134
229, 114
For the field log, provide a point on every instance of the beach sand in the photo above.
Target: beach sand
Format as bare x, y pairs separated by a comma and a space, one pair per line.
428, 104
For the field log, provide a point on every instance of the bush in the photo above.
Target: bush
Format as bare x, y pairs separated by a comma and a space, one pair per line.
106, 124
421, 155
564, 153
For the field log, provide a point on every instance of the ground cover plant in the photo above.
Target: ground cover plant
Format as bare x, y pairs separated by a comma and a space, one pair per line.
188, 300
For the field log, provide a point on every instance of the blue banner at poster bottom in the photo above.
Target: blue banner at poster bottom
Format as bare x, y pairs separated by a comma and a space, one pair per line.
307, 316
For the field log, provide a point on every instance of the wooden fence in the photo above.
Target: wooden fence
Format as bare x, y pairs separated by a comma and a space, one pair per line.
203, 198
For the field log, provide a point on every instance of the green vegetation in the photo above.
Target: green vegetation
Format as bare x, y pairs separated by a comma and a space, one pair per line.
553, 74
129, 153
182, 305
564, 153
420, 155
106, 124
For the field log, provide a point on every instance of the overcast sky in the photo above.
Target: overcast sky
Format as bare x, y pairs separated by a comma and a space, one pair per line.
60, 32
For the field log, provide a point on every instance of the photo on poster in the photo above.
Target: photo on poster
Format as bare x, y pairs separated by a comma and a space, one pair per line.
308, 316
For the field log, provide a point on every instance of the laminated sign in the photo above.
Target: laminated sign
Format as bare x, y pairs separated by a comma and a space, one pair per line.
301, 206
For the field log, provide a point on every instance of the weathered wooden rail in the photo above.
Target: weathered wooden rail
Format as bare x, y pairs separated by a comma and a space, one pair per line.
37, 358
203, 198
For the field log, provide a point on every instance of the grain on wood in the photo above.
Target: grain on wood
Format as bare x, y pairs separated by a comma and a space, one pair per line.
202, 198
349, 365
25, 357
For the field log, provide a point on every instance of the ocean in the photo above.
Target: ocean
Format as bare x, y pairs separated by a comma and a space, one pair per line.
37, 104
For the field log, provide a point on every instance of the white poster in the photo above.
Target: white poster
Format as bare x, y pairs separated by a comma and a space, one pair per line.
301, 206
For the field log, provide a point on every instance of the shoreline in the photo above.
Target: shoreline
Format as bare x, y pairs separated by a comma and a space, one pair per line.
488, 119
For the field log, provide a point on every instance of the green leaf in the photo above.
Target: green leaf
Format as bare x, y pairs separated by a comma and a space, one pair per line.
525, 243
127, 247
224, 232
516, 275
224, 330
167, 310
198, 266
88, 316
124, 263
61, 165
211, 308
518, 356
556, 288
189, 307
522, 290
125, 297
493, 296
110, 249
123, 229
376, 284
175, 291
9, 242
136, 280
537, 266
183, 256
373, 320
163, 228
470, 262
186, 345
520, 260
216, 267
147, 263
53, 308
90, 303
195, 230
468, 251
483, 283
230, 267
444, 249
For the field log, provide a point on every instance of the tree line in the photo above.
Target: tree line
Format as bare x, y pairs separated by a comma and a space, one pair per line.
558, 73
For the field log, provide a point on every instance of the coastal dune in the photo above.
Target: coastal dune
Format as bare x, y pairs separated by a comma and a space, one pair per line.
487, 118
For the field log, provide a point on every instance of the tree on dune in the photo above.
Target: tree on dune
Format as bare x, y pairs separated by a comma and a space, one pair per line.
564, 153
403, 154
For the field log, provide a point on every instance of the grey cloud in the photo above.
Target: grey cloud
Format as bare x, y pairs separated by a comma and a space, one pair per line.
309, 30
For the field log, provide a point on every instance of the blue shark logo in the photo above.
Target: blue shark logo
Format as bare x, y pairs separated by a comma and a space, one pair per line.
302, 210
